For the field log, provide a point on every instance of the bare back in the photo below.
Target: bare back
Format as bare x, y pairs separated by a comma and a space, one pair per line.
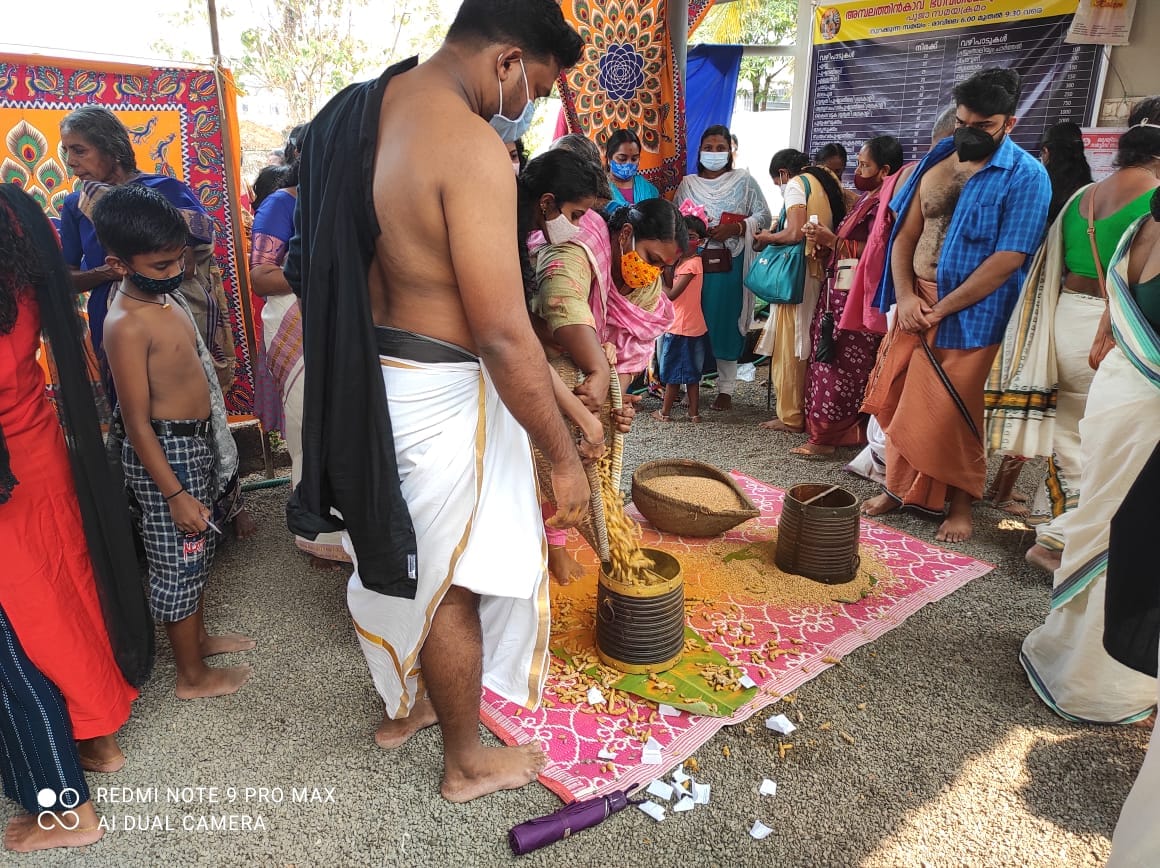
163, 342
439, 175
1144, 257
1116, 191
938, 195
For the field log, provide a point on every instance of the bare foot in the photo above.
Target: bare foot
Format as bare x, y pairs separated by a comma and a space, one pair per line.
813, 450
217, 682
879, 505
226, 643
958, 526
722, 402
101, 754
244, 525
658, 416
1044, 558
392, 733
564, 568
1015, 507
778, 425
492, 769
695, 419
24, 835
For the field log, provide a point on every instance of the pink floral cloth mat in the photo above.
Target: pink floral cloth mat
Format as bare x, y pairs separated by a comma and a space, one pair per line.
818, 634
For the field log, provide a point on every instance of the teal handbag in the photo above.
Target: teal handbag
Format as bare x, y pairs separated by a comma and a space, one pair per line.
778, 274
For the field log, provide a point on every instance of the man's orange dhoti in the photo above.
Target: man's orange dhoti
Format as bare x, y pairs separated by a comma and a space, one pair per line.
929, 446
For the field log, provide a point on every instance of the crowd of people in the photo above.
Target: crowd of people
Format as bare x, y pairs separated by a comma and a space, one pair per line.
977, 301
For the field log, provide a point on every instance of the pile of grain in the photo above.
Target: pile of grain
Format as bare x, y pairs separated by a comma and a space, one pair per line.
746, 571
713, 495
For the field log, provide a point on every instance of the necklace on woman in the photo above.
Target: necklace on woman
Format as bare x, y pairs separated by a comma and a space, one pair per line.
162, 304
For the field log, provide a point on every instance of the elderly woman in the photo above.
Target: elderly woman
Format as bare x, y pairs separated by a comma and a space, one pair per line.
737, 209
98, 153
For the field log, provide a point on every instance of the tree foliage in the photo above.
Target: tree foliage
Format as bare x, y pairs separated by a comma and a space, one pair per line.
306, 50
750, 22
754, 22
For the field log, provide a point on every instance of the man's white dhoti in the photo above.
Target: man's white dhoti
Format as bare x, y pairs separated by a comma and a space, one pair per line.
1065, 658
469, 482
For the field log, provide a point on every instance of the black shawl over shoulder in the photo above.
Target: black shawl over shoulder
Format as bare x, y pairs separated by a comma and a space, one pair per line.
99, 485
348, 450
1132, 598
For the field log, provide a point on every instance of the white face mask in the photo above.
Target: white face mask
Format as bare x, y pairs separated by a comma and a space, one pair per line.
714, 161
510, 129
560, 230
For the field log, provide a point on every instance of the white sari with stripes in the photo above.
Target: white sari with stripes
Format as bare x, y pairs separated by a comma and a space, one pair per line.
1065, 657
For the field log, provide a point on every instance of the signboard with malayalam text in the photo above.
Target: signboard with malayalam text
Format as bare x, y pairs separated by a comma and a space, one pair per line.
889, 68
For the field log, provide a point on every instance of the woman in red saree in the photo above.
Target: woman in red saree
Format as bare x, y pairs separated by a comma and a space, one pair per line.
70, 584
837, 373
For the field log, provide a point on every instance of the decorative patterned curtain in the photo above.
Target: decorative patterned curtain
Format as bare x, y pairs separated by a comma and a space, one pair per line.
174, 118
627, 79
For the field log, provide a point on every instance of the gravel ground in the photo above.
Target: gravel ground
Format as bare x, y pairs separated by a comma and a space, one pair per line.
956, 762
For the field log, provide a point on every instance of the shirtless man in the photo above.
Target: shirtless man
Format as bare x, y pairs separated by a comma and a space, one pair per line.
450, 588
165, 402
958, 260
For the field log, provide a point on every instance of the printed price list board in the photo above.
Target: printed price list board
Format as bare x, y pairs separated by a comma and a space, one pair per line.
897, 74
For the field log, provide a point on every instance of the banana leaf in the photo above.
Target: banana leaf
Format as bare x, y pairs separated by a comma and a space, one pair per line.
693, 693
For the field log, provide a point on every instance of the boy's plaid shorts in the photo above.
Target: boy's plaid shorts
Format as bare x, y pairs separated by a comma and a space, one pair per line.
179, 563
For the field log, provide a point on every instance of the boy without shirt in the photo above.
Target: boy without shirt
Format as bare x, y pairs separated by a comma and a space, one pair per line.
166, 404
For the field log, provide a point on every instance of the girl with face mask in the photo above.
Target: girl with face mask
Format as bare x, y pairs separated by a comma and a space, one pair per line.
622, 153
837, 372
736, 209
646, 239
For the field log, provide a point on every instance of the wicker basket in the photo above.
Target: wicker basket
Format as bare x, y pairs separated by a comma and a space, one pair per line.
684, 518
593, 528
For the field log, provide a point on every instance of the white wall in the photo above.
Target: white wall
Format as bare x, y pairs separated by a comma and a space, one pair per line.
761, 134
1136, 63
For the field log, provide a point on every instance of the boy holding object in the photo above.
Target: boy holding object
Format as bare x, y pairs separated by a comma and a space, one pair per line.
173, 455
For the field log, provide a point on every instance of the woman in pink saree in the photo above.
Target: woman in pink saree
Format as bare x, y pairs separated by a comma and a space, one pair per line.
845, 349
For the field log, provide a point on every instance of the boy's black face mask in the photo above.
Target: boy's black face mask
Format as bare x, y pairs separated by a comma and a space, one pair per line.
157, 286
972, 145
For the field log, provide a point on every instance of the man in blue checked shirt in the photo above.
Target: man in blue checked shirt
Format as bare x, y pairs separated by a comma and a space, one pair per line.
969, 219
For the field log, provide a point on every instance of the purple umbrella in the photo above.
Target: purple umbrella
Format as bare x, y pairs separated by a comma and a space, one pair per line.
573, 818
